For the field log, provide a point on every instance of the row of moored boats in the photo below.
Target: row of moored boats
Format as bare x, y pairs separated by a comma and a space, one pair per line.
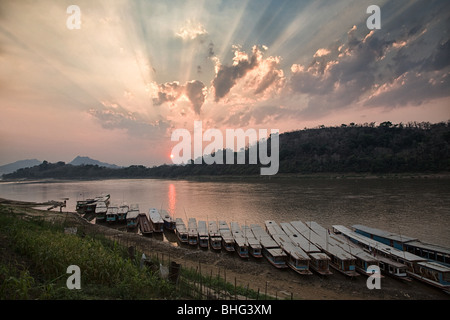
303, 247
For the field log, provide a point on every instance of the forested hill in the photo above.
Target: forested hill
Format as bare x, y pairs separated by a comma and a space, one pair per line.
386, 148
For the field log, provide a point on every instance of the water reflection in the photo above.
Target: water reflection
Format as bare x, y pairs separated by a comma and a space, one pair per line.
172, 198
416, 207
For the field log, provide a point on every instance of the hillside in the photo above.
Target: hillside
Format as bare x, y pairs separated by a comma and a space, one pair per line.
11, 167
79, 161
387, 148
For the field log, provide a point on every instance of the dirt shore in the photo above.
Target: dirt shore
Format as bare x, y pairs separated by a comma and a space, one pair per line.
256, 274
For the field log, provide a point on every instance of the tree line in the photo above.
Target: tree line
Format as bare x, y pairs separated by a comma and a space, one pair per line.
350, 148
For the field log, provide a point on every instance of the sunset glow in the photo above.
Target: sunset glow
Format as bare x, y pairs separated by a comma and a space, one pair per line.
135, 71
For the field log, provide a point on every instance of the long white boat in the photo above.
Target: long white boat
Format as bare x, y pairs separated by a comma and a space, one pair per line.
215, 239
430, 272
254, 246
169, 221
340, 260
132, 216
363, 259
192, 232
415, 246
203, 237
270, 249
156, 220
227, 237
320, 261
239, 240
181, 230
122, 213
298, 260
111, 213
100, 211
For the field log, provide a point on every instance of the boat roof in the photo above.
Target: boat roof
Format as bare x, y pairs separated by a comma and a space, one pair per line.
325, 243
192, 226
132, 214
112, 210
277, 252
429, 247
123, 208
319, 256
223, 225
180, 226
155, 216
166, 215
295, 251
384, 234
240, 241
298, 238
435, 266
202, 230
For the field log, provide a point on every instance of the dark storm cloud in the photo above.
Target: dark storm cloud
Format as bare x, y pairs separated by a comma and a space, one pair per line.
172, 91
227, 76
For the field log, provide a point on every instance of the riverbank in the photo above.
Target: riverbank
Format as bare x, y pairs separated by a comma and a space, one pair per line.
256, 274
254, 178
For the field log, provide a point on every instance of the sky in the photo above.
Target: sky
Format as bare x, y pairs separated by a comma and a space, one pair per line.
134, 71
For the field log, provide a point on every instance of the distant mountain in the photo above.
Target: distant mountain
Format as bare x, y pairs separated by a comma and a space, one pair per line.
78, 161
11, 167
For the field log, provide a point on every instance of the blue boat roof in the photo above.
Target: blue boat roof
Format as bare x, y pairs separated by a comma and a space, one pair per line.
384, 234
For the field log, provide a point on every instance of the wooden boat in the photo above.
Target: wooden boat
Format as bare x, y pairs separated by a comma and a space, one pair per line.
319, 262
203, 237
156, 220
88, 206
227, 237
298, 260
241, 245
270, 249
430, 272
111, 213
144, 224
132, 216
340, 260
254, 246
192, 232
412, 245
169, 222
122, 213
363, 260
181, 230
215, 239
100, 211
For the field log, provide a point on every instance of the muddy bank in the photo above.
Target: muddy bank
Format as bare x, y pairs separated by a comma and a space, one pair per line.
256, 274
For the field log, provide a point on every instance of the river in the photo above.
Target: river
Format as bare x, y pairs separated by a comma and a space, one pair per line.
417, 207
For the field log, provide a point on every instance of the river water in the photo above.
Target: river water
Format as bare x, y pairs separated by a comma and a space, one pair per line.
412, 207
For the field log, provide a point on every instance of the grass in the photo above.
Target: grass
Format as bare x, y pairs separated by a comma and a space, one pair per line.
36, 253
41, 253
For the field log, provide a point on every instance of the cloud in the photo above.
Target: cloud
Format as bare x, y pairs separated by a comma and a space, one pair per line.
251, 75
172, 92
226, 76
373, 68
114, 116
191, 30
